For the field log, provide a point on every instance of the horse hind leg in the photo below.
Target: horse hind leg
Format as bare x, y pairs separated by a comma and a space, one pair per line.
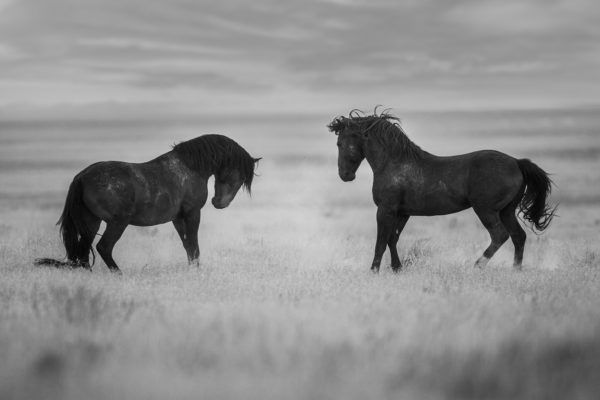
498, 234
517, 233
105, 246
86, 240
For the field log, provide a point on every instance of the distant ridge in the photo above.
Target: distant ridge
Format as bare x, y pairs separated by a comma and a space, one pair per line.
123, 114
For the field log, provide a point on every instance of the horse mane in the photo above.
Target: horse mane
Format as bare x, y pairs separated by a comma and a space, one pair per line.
212, 153
383, 128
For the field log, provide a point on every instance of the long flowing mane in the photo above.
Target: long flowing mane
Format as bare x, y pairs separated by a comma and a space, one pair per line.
212, 153
383, 128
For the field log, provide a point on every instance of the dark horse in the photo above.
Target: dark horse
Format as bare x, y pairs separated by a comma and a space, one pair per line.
410, 181
172, 187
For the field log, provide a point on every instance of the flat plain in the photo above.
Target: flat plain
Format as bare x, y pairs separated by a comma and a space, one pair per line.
283, 305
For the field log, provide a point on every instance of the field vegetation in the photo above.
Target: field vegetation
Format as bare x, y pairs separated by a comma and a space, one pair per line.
283, 305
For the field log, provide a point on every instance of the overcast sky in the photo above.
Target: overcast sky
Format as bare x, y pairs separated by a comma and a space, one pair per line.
301, 55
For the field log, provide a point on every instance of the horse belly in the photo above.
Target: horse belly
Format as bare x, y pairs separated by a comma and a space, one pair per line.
158, 208
438, 206
435, 200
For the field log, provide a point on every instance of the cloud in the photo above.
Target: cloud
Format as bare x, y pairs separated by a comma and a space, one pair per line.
520, 67
269, 49
8, 53
525, 17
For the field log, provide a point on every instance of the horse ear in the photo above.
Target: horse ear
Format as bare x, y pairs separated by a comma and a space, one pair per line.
256, 160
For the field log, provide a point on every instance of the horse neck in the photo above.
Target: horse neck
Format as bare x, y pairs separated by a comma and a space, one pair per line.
375, 156
202, 172
378, 155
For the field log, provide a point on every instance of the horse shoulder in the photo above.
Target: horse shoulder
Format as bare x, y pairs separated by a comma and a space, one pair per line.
185, 186
400, 177
194, 189
390, 183
196, 193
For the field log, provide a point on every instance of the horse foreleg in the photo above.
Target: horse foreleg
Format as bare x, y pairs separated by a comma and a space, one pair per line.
105, 246
498, 234
393, 241
179, 224
192, 223
187, 228
386, 223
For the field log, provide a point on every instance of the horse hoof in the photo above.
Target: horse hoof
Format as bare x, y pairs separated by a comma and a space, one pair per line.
482, 262
396, 267
375, 270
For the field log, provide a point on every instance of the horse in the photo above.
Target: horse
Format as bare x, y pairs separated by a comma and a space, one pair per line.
410, 181
170, 188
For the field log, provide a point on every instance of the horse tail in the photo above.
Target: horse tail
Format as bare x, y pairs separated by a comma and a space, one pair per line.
533, 205
73, 229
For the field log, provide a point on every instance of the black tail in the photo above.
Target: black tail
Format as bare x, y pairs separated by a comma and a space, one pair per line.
538, 186
73, 230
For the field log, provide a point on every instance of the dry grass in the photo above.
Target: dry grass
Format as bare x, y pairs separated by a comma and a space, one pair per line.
283, 305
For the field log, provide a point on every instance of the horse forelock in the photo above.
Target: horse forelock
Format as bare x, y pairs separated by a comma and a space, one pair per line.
338, 124
213, 153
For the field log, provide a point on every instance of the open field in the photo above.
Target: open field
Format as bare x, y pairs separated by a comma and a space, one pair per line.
283, 305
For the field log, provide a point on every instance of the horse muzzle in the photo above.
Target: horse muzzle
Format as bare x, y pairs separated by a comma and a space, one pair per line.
220, 203
347, 176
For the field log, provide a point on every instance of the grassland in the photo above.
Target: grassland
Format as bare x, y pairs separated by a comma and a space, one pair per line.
283, 305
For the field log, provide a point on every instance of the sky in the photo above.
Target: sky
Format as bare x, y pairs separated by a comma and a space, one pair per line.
300, 56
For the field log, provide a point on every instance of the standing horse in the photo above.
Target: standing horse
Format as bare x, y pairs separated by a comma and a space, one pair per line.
172, 187
410, 181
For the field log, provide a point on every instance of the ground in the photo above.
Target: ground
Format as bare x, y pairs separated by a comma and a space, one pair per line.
283, 305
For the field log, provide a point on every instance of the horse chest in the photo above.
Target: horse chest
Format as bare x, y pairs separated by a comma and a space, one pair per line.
387, 190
